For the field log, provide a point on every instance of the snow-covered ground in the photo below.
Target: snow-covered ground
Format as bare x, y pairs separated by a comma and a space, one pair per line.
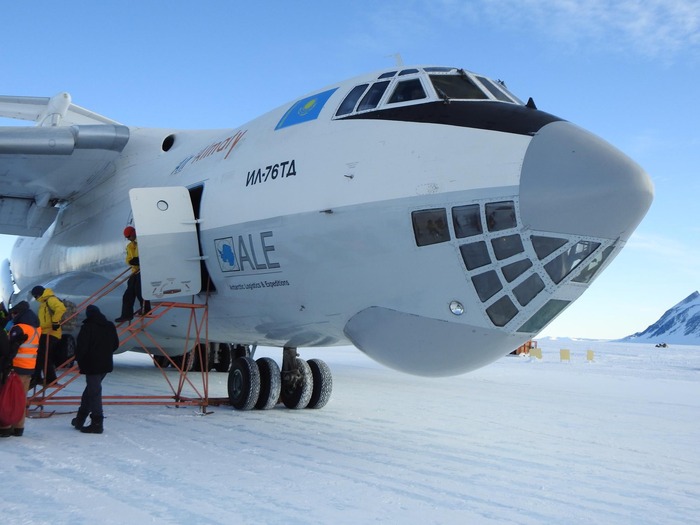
616, 441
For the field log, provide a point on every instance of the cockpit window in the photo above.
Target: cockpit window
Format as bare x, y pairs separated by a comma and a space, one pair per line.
373, 96
412, 86
349, 103
456, 87
493, 89
407, 90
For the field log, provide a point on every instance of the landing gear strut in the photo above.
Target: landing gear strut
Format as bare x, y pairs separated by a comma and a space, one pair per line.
297, 381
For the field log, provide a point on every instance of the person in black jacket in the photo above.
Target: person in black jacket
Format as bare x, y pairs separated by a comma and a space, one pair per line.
97, 341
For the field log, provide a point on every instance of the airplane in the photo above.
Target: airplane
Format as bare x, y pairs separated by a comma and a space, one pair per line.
424, 214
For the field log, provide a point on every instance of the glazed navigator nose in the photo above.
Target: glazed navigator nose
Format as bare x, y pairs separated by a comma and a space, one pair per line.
573, 182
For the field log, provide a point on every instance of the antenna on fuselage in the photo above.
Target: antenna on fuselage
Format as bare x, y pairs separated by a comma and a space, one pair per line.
398, 59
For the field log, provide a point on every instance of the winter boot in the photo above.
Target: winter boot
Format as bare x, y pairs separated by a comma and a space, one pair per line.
79, 420
95, 426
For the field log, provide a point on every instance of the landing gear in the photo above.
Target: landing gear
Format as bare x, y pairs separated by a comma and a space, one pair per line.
297, 385
261, 385
270, 383
244, 383
222, 357
219, 357
160, 361
322, 383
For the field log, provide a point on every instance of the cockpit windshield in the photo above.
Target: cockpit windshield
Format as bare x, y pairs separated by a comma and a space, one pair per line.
456, 87
419, 85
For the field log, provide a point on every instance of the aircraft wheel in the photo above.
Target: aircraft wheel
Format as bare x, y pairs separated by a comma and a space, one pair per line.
224, 361
297, 385
160, 361
270, 383
322, 383
244, 383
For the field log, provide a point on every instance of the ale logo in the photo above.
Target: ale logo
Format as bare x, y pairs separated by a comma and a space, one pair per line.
226, 255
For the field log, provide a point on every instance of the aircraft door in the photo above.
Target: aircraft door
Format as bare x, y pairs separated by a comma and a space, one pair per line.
168, 246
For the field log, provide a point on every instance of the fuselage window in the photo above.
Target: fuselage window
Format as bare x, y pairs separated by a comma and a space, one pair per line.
430, 226
513, 270
549, 311
591, 268
467, 220
545, 245
502, 311
407, 90
487, 285
456, 87
475, 255
507, 246
348, 104
528, 289
373, 96
500, 216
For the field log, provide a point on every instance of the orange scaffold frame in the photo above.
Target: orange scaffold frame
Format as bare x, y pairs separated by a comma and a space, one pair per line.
48, 394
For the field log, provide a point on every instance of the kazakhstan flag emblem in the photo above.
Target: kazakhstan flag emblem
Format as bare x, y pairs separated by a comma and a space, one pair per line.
305, 109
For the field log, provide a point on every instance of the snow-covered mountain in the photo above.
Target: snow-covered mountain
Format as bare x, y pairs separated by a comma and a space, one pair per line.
679, 325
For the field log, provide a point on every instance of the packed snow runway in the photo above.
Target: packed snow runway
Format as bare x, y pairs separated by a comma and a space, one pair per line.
521, 441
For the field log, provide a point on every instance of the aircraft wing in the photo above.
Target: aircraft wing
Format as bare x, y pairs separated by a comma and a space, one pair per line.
49, 111
41, 167
69, 151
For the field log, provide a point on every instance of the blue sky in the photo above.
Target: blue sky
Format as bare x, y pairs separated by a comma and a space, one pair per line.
626, 70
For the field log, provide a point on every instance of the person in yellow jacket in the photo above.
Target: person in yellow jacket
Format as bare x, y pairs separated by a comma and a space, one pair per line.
51, 311
133, 285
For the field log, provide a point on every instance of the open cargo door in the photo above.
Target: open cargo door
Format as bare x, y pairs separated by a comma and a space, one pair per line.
168, 245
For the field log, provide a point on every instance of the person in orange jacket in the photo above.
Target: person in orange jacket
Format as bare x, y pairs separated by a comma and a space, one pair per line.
24, 346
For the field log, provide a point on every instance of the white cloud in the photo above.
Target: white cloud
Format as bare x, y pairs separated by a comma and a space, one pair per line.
653, 28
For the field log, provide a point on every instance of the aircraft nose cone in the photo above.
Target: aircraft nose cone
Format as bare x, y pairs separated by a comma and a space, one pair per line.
573, 182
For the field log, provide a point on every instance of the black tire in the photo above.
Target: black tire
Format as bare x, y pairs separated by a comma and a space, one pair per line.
323, 383
244, 383
270, 383
189, 361
224, 362
160, 361
296, 394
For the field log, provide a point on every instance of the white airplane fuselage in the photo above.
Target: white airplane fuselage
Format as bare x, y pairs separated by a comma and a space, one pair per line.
356, 228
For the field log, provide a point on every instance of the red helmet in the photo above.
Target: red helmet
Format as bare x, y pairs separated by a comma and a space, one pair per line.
129, 231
